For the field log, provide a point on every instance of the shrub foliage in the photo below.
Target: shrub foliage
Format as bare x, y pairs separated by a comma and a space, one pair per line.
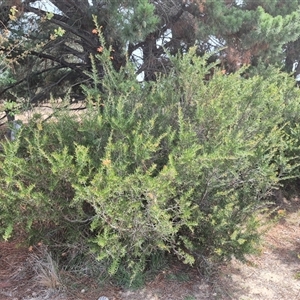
181, 165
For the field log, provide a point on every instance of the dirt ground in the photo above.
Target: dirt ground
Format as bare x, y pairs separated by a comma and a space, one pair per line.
273, 274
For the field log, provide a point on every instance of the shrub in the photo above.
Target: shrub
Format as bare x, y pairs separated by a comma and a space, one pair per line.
180, 166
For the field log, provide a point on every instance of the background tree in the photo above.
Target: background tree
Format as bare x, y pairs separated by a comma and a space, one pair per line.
49, 46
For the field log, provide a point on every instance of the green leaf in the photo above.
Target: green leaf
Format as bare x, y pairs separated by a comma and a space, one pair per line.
8, 232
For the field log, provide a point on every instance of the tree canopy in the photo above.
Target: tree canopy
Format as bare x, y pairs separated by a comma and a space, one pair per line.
46, 46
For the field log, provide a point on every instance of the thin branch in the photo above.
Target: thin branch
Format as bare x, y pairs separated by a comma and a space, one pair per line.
62, 22
42, 13
61, 61
25, 78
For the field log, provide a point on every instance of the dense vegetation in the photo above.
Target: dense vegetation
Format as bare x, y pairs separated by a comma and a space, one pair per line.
182, 163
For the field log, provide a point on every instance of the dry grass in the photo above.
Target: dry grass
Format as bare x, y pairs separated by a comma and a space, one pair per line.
46, 269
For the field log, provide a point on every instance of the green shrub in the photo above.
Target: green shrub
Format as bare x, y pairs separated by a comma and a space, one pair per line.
180, 166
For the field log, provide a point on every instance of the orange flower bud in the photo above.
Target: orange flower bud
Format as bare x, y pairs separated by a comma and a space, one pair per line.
100, 49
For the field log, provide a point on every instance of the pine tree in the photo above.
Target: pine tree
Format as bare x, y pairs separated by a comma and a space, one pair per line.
251, 31
52, 55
